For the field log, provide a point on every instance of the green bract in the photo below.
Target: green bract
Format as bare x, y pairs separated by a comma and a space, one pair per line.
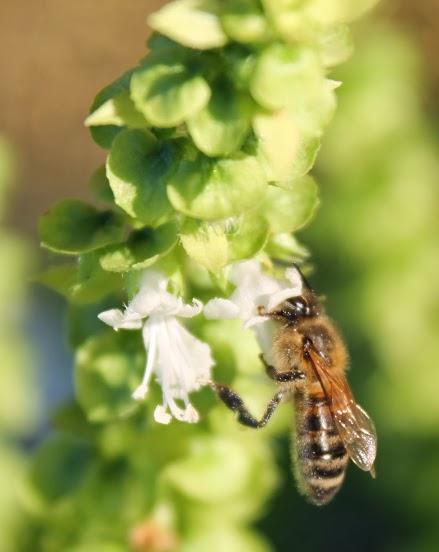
72, 226
81, 282
285, 75
103, 134
217, 244
192, 23
58, 467
108, 368
118, 111
221, 127
212, 189
279, 141
288, 210
138, 169
291, 76
142, 249
244, 21
100, 186
168, 93
335, 45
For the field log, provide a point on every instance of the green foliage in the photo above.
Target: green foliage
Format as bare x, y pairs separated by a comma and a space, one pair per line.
141, 250
72, 226
19, 398
108, 368
212, 189
215, 245
220, 128
138, 167
168, 93
211, 139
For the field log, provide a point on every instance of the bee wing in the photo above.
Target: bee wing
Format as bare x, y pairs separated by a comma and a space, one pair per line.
356, 429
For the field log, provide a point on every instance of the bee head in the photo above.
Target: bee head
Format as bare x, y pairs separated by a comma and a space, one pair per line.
304, 305
299, 307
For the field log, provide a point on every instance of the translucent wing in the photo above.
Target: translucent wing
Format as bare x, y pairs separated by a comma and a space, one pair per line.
354, 425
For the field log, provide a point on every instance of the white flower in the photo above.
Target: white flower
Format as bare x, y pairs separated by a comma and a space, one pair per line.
181, 362
255, 289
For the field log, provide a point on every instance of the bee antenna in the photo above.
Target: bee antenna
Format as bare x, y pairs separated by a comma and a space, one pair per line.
304, 280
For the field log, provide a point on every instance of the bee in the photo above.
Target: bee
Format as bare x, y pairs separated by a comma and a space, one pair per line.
309, 365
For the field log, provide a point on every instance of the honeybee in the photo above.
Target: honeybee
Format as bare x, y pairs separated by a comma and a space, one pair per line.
309, 367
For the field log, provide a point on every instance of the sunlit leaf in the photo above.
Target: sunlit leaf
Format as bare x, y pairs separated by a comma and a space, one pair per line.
72, 226
193, 23
217, 188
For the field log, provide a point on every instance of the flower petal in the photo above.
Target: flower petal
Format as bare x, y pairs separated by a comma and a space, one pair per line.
183, 361
295, 279
270, 302
189, 311
152, 297
191, 415
265, 337
161, 416
219, 308
140, 392
117, 319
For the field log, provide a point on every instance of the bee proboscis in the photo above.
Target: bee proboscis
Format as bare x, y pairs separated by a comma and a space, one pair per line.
309, 364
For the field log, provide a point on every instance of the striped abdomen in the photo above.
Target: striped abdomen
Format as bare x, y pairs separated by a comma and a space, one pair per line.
321, 457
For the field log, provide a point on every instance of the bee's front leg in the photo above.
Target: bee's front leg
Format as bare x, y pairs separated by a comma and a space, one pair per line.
281, 377
233, 401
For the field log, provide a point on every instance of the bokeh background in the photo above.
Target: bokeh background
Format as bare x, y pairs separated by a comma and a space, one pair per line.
374, 243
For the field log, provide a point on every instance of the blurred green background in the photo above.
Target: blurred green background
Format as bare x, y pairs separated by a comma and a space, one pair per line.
374, 246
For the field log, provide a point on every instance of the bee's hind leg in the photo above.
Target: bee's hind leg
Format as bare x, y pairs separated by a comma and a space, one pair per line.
281, 377
233, 401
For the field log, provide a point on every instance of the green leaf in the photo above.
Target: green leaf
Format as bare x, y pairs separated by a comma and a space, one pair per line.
291, 76
218, 537
142, 249
193, 23
207, 467
305, 158
72, 227
58, 468
330, 12
221, 127
244, 21
283, 71
108, 368
335, 45
138, 168
277, 159
206, 243
291, 21
289, 210
217, 244
168, 93
83, 321
100, 186
217, 188
247, 235
83, 282
104, 135
285, 247
279, 140
119, 111
239, 66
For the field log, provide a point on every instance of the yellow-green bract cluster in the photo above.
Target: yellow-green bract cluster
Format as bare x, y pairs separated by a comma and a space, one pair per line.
210, 139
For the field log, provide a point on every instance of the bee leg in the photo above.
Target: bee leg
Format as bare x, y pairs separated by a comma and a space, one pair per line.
281, 377
233, 401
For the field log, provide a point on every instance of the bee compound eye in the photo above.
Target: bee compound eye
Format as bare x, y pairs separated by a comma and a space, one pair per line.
298, 304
